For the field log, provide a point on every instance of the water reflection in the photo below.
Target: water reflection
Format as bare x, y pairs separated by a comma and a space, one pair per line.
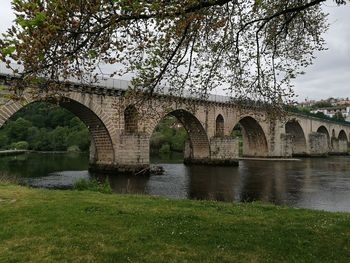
38, 164
311, 183
213, 183
125, 184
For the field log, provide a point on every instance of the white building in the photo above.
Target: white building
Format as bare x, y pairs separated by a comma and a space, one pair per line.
330, 112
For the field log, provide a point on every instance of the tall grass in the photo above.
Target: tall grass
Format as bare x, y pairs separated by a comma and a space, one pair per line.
5, 179
93, 185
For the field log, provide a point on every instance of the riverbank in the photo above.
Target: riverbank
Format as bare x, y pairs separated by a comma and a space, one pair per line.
20, 152
12, 152
73, 226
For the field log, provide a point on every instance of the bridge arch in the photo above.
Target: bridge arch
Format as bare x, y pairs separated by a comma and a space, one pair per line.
197, 147
294, 128
219, 126
342, 136
254, 138
343, 142
103, 152
322, 129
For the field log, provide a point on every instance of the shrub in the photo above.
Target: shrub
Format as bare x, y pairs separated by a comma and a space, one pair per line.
73, 149
93, 185
165, 149
8, 180
22, 145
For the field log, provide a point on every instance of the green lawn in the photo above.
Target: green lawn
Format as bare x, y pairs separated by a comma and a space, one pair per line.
38, 225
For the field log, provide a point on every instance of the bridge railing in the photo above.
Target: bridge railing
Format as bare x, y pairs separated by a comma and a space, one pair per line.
119, 84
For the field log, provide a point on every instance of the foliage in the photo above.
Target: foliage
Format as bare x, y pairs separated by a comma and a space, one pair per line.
320, 115
237, 131
75, 226
253, 48
322, 104
8, 180
338, 116
165, 149
317, 115
44, 127
21, 145
73, 149
93, 185
169, 136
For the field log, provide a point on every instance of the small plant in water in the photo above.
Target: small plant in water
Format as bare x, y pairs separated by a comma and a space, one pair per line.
93, 185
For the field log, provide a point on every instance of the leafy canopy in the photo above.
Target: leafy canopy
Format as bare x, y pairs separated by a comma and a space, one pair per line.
252, 49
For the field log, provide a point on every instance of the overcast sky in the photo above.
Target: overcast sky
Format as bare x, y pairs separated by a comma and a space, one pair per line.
329, 76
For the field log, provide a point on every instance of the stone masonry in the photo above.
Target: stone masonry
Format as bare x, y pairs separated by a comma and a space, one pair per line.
121, 129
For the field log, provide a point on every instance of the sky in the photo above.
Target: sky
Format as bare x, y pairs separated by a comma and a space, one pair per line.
329, 76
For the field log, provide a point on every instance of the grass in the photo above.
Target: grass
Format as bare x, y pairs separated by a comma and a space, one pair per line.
39, 225
8, 180
93, 185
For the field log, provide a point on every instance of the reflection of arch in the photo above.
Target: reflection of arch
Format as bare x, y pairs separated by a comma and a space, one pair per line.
342, 136
298, 137
220, 126
254, 139
101, 139
324, 130
198, 141
130, 119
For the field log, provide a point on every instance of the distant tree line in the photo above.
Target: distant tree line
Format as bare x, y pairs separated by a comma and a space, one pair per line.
44, 127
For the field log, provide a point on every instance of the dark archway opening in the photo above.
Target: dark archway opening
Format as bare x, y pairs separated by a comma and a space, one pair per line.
298, 138
344, 146
252, 138
324, 131
220, 126
179, 134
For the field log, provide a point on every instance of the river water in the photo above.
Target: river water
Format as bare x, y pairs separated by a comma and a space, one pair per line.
317, 183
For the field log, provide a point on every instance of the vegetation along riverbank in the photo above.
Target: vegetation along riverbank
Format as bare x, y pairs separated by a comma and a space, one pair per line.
39, 225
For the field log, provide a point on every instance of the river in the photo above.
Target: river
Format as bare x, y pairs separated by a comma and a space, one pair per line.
317, 183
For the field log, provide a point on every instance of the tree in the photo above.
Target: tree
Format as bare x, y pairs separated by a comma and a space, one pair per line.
251, 48
321, 115
18, 130
338, 116
322, 104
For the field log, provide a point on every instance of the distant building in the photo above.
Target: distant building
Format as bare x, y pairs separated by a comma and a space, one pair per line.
345, 102
307, 103
330, 112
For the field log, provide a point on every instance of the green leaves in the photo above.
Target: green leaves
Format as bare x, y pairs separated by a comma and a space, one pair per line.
8, 50
38, 20
250, 48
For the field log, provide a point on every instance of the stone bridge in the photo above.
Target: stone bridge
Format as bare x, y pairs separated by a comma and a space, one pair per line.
121, 129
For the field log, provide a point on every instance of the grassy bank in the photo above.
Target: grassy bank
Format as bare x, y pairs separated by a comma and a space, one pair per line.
38, 225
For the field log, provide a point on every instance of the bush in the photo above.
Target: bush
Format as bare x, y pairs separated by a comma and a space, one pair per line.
73, 149
165, 149
22, 145
8, 180
93, 185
